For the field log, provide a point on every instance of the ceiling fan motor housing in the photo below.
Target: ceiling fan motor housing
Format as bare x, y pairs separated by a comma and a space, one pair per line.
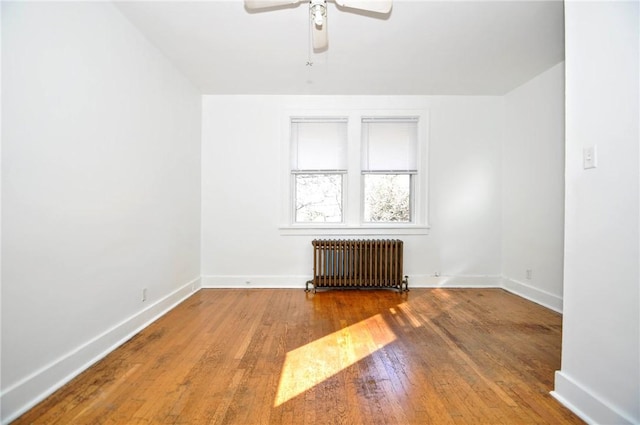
318, 9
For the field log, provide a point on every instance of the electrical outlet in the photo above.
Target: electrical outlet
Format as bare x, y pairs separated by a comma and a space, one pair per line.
144, 294
529, 274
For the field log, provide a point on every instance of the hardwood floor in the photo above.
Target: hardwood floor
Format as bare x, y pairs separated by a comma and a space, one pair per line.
432, 356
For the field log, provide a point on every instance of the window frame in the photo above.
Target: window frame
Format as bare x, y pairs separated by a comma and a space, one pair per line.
353, 180
372, 169
318, 168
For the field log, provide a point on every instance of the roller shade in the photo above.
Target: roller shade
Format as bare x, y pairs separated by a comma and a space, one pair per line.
319, 144
390, 144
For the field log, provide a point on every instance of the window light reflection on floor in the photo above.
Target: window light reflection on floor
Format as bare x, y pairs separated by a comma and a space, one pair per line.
317, 361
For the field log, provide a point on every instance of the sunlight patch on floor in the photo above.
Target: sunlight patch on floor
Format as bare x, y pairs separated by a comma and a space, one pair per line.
311, 364
408, 313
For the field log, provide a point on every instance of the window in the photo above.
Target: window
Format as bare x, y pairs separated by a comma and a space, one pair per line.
355, 173
389, 162
318, 164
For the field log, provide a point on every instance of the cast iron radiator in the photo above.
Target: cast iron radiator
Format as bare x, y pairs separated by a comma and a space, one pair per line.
373, 263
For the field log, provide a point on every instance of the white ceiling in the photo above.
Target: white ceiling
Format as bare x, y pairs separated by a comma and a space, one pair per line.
423, 47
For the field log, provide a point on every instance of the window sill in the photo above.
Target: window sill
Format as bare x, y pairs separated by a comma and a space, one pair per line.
346, 230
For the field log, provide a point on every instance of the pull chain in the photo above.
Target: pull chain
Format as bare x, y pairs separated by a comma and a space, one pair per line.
309, 60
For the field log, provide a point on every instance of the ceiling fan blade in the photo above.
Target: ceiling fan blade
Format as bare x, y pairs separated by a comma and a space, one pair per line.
319, 36
378, 6
266, 4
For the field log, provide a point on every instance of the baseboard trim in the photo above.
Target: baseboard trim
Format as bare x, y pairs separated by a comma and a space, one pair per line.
454, 281
292, 282
22, 396
585, 404
531, 293
254, 281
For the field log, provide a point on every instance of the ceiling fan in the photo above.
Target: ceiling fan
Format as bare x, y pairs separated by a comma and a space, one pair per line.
318, 12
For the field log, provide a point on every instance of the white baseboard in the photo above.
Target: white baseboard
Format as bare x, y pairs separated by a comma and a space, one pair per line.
530, 293
588, 406
456, 281
254, 281
415, 281
22, 396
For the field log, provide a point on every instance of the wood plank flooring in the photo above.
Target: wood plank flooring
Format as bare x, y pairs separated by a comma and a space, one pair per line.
279, 356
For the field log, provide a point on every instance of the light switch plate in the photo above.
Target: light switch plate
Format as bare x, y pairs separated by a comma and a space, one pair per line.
589, 157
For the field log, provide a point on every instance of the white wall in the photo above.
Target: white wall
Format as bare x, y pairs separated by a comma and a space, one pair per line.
533, 189
101, 190
600, 375
241, 189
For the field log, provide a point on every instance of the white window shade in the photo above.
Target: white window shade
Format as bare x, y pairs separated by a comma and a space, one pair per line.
390, 144
318, 144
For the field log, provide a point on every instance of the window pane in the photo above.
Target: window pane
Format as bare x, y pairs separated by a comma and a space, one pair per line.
318, 198
387, 198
